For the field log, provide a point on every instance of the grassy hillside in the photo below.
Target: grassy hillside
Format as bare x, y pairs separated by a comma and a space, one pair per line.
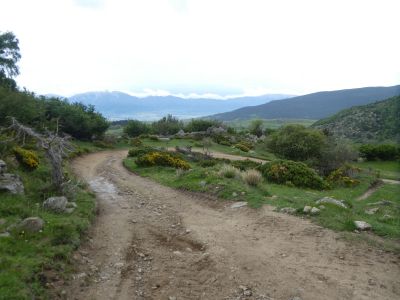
378, 121
312, 106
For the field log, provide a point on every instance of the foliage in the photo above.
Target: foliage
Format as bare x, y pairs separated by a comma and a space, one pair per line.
242, 147
379, 152
228, 171
136, 142
78, 120
161, 159
344, 176
141, 150
205, 163
245, 164
256, 127
201, 125
252, 177
28, 158
334, 154
296, 142
134, 128
167, 125
9, 56
292, 173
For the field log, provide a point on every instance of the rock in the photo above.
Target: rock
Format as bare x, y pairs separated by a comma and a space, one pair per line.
234, 194
164, 139
4, 234
321, 207
314, 211
181, 133
246, 290
11, 183
203, 183
381, 203
288, 210
372, 211
56, 204
171, 298
361, 225
71, 205
32, 224
307, 209
3, 167
339, 203
2, 221
295, 298
69, 210
239, 204
178, 253
387, 218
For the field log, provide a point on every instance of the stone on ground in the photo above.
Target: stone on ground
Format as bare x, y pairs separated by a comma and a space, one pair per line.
333, 201
56, 204
11, 183
239, 204
361, 225
31, 224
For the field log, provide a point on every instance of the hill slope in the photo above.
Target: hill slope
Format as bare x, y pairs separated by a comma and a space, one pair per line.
312, 106
117, 105
373, 122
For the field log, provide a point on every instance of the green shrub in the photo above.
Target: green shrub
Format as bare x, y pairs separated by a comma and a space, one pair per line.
138, 151
225, 143
28, 158
242, 147
228, 171
252, 177
102, 144
201, 125
379, 152
153, 137
245, 164
161, 159
344, 176
299, 174
134, 128
207, 163
136, 142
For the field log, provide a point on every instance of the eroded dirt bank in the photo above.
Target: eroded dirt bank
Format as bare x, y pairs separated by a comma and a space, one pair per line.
152, 242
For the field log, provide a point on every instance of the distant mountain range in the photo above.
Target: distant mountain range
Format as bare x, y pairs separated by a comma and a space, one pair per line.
312, 106
118, 106
377, 121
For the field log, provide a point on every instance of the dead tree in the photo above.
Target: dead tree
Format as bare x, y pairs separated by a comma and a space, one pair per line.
55, 147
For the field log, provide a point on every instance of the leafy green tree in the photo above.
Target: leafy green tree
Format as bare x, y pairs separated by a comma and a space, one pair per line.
297, 142
256, 127
135, 128
9, 56
201, 125
167, 125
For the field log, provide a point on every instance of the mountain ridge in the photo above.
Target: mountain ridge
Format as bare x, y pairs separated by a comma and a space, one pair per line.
312, 106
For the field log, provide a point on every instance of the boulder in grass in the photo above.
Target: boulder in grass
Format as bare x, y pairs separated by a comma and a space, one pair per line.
56, 204
3, 167
333, 201
362, 226
31, 224
11, 183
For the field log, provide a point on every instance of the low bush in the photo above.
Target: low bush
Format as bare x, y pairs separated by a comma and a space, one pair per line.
161, 159
344, 176
138, 151
245, 164
153, 137
242, 147
225, 143
102, 144
291, 172
252, 177
136, 142
207, 163
28, 158
228, 171
379, 152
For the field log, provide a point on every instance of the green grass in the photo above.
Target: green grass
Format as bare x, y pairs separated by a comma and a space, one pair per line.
206, 180
27, 259
386, 169
269, 123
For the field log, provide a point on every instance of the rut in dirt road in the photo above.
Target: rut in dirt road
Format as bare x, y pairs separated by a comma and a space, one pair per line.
153, 242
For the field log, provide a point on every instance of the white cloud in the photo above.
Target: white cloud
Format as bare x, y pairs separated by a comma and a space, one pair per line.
215, 47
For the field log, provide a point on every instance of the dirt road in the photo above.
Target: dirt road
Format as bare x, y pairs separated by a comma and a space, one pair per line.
153, 242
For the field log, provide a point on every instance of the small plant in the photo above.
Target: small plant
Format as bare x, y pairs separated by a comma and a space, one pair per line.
245, 164
228, 171
252, 177
102, 144
207, 163
136, 142
161, 159
344, 176
180, 173
242, 147
27, 158
153, 137
137, 151
299, 174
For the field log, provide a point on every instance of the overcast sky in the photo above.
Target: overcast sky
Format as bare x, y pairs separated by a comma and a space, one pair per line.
200, 46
